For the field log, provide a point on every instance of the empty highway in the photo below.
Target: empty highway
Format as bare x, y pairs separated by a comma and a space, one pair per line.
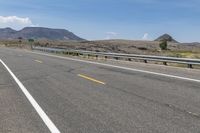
42, 93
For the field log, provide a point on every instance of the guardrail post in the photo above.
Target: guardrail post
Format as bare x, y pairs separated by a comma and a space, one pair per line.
190, 66
96, 57
145, 61
106, 57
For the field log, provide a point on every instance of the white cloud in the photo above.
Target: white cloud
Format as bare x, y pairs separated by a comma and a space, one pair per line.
15, 22
34, 25
15, 19
146, 36
111, 35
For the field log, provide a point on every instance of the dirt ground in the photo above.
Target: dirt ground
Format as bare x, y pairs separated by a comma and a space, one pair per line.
187, 50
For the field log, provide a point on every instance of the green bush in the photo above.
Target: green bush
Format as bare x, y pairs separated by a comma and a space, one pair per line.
163, 45
31, 40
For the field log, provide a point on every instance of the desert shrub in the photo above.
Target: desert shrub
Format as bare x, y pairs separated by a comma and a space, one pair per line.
163, 45
37, 44
31, 40
20, 39
142, 48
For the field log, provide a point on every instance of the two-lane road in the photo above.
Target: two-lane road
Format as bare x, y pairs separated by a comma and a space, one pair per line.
79, 96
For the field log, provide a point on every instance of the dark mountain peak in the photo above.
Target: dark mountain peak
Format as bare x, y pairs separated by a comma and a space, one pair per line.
166, 37
42, 29
39, 33
6, 32
38, 28
7, 29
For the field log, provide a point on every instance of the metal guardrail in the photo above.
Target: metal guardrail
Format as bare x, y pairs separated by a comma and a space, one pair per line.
145, 58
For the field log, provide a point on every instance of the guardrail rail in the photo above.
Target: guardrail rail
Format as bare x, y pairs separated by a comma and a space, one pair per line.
117, 56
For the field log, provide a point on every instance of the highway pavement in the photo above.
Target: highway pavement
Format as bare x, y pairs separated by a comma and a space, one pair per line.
45, 93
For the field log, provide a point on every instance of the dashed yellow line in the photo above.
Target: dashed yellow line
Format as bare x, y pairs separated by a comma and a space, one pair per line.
38, 61
91, 79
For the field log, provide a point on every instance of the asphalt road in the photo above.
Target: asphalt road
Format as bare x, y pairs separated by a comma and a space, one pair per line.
81, 97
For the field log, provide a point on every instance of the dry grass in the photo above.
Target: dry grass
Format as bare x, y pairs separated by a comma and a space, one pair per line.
117, 46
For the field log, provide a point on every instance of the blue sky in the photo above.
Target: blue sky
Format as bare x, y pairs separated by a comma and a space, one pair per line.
106, 19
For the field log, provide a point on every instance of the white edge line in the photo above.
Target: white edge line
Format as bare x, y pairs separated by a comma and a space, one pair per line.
42, 114
119, 67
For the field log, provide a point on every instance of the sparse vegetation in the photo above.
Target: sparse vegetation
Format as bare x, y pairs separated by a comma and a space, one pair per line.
20, 39
117, 46
142, 48
163, 45
31, 40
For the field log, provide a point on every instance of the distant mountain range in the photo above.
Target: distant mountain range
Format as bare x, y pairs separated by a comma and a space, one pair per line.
39, 33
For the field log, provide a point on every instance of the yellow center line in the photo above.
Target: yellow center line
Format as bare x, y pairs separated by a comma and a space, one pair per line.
91, 79
38, 61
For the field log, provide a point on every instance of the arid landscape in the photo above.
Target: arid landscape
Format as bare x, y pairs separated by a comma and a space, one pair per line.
99, 66
59, 38
185, 50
